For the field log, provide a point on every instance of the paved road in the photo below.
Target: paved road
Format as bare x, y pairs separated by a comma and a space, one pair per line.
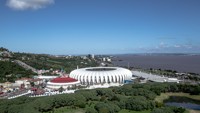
26, 66
152, 77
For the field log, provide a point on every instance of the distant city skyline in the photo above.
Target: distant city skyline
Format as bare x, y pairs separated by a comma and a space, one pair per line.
62, 27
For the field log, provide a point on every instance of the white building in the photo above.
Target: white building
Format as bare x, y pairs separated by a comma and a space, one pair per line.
101, 75
24, 81
109, 59
93, 56
45, 77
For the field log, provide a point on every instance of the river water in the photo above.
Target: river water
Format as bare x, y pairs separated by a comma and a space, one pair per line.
184, 105
180, 63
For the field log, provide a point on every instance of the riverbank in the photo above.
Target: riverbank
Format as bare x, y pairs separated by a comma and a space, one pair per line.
165, 96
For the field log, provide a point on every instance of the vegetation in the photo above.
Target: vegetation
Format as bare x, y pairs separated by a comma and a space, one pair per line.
165, 96
48, 62
3, 49
132, 97
129, 111
192, 111
67, 110
9, 71
168, 110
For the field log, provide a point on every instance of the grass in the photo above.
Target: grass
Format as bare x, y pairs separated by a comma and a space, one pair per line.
53, 61
192, 111
129, 111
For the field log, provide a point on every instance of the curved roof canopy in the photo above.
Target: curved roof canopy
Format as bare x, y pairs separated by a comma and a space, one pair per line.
63, 80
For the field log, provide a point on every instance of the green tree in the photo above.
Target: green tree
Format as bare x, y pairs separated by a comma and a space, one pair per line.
32, 84
90, 110
61, 89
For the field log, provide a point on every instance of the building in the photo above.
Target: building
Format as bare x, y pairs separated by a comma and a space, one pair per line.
64, 81
101, 75
24, 81
45, 77
93, 56
36, 81
109, 60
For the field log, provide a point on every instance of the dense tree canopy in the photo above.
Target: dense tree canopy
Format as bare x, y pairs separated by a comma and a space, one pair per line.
111, 100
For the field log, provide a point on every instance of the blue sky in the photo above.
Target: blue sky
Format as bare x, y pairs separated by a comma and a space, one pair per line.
100, 26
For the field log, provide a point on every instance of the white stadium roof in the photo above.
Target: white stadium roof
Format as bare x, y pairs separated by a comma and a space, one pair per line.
96, 75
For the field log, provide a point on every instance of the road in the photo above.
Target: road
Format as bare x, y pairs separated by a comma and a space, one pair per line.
26, 66
152, 77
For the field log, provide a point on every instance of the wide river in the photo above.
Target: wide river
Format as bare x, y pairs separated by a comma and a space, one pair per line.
180, 63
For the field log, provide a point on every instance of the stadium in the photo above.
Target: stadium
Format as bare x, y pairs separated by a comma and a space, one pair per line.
101, 75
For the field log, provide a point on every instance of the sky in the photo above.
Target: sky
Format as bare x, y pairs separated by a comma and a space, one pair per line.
64, 27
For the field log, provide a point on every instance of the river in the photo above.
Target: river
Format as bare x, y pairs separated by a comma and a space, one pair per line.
180, 63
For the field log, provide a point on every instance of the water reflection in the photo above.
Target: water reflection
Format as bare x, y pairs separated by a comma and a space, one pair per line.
184, 102
184, 105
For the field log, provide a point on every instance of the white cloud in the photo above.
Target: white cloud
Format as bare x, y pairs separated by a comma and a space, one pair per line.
162, 45
177, 46
28, 4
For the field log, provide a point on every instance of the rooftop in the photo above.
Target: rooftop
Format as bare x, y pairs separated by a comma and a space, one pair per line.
63, 79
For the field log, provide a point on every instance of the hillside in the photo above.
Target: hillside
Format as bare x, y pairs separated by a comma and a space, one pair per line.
16, 65
9, 71
49, 62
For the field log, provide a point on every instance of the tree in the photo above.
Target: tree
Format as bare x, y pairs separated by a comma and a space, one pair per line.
61, 89
90, 110
32, 84
89, 94
168, 110
44, 104
80, 103
102, 107
89, 56
3, 49
139, 103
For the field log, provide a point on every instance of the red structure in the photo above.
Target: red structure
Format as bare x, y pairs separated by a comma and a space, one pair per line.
63, 80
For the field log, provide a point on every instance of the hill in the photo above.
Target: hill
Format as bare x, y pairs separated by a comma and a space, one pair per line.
9, 71
16, 65
50, 62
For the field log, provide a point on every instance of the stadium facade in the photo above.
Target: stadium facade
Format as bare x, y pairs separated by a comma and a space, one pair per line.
101, 75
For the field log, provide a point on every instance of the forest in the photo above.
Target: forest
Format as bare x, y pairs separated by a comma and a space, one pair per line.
134, 97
